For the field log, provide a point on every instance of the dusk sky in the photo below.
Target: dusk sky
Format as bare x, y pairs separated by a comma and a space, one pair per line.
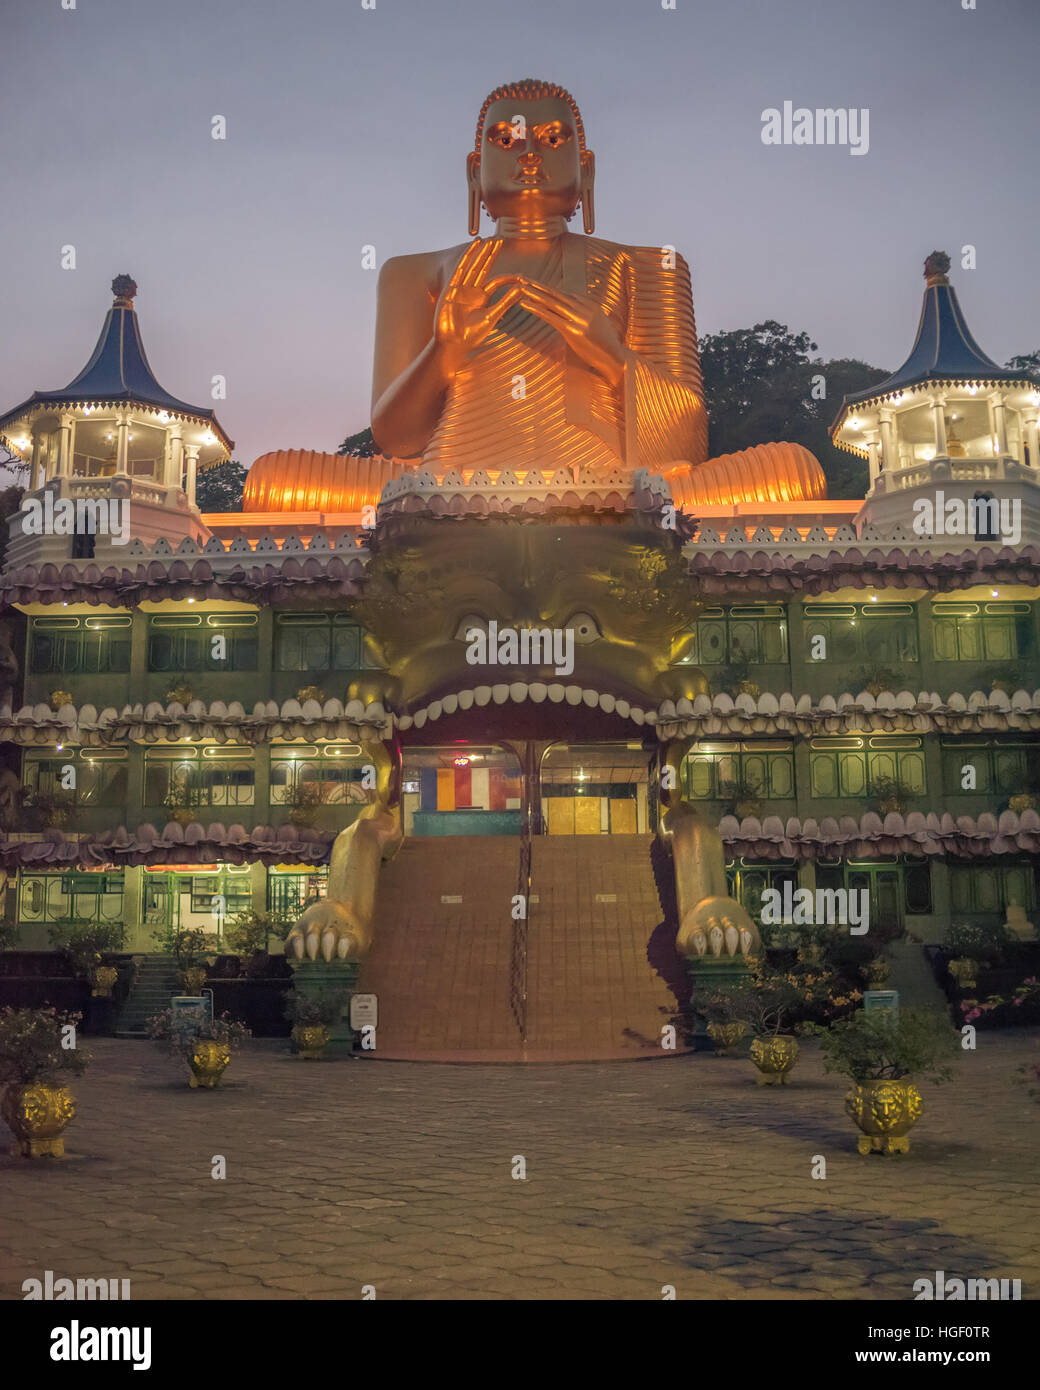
348, 127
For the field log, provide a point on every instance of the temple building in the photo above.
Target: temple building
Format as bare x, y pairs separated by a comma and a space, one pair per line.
320, 705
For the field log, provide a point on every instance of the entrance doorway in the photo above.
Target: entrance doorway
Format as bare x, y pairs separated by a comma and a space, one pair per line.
461, 789
596, 789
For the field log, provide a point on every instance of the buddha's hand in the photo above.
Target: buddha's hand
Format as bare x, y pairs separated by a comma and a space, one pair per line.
466, 311
582, 323
326, 926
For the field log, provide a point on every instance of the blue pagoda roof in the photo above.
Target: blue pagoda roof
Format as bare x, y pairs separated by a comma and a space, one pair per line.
118, 370
944, 349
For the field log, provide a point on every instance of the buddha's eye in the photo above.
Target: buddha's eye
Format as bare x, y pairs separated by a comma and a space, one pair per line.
585, 628
469, 623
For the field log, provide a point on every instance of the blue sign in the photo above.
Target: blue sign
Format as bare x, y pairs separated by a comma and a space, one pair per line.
886, 1000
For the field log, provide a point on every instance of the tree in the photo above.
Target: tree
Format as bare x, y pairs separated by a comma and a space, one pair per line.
1028, 363
220, 489
762, 385
359, 446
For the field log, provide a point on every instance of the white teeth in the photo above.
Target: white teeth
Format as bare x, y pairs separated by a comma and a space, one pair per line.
450, 704
420, 718
537, 692
518, 692
500, 694
591, 698
573, 694
465, 699
637, 716
482, 694
622, 707
435, 709
555, 693
607, 703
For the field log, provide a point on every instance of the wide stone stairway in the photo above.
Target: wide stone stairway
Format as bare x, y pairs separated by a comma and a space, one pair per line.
603, 977
603, 974
156, 980
440, 954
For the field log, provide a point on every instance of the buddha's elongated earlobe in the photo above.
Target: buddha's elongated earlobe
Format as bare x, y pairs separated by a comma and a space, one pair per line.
588, 179
473, 179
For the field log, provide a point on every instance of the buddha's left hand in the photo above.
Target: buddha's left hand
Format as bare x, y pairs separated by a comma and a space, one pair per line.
581, 322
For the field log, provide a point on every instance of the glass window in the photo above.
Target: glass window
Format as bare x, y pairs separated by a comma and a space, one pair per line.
1006, 768
752, 636
868, 770
184, 781
871, 633
80, 646
75, 897
319, 643
202, 642
746, 770
982, 632
992, 888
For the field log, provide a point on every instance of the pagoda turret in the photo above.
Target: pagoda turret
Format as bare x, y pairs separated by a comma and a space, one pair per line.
950, 420
112, 435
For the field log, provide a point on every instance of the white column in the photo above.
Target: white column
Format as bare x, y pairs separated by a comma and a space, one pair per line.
1029, 426
65, 446
191, 455
122, 445
939, 412
1000, 423
889, 457
174, 457
874, 465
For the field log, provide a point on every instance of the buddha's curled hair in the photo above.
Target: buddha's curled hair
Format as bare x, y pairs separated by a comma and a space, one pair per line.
530, 89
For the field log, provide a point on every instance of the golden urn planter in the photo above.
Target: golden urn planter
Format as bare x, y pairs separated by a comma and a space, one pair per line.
965, 972
725, 1035
885, 1111
207, 1061
37, 1113
310, 1039
774, 1056
194, 978
877, 972
102, 981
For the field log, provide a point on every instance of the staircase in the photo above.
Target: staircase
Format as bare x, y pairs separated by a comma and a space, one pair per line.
440, 953
157, 978
603, 976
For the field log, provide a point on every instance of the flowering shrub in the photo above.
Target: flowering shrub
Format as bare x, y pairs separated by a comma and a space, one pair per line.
770, 1001
32, 1046
1028, 992
176, 1033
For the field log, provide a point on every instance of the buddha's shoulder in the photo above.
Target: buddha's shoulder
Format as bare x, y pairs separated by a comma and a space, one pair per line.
429, 268
647, 259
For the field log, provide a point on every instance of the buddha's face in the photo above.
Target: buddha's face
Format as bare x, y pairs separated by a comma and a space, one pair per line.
530, 159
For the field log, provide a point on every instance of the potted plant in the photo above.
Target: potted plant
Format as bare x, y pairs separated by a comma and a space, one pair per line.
890, 794
879, 1051
766, 1003
875, 679
182, 801
60, 698
304, 802
248, 936
47, 810
180, 695
1007, 678
743, 796
34, 1056
310, 692
85, 944
204, 1043
974, 944
311, 1016
189, 947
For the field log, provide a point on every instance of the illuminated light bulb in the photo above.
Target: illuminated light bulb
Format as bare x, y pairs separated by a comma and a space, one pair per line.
209, 438
873, 598
995, 593
928, 454
855, 424
191, 600
60, 747
973, 390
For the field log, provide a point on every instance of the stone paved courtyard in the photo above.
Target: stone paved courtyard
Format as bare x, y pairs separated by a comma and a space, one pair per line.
639, 1175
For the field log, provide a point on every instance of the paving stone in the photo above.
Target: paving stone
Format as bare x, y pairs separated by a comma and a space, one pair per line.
675, 1172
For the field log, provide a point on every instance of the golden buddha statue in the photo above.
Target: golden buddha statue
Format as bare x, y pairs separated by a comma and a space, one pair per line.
541, 349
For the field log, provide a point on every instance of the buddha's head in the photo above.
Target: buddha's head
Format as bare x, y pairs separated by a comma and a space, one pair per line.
529, 160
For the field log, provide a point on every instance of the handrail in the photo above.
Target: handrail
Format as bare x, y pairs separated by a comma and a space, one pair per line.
518, 957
